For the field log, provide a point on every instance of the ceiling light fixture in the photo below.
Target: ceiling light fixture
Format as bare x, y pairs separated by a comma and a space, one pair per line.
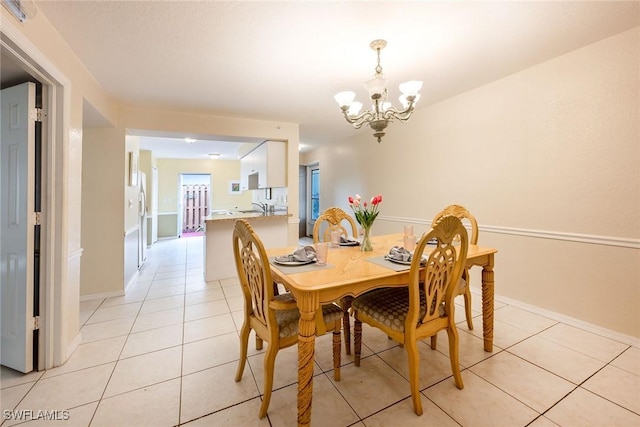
382, 112
21, 9
214, 156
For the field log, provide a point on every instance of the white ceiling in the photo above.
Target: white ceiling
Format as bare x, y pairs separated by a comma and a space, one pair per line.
283, 61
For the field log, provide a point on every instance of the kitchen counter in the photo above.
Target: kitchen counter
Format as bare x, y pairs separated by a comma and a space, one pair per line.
219, 262
233, 216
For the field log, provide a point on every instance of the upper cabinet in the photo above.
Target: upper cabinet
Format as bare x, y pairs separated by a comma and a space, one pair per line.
264, 167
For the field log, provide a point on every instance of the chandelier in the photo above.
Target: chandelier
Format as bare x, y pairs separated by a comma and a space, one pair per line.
382, 112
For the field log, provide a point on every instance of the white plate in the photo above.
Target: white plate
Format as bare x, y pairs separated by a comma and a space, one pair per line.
292, 263
397, 261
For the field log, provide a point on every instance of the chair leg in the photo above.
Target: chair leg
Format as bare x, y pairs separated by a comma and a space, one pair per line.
467, 307
269, 363
336, 351
357, 340
414, 375
434, 341
258, 343
454, 356
244, 343
346, 325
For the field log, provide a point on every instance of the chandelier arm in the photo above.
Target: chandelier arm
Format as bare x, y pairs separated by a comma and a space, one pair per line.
402, 115
359, 120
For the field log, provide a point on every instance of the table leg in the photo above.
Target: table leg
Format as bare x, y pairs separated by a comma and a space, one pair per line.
487, 305
307, 304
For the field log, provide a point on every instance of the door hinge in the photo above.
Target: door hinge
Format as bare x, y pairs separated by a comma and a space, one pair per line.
37, 114
37, 218
36, 323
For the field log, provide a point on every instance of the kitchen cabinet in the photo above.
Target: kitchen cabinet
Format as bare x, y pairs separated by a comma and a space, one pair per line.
267, 163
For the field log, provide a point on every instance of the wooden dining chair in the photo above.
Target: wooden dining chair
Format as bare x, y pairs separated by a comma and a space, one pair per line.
409, 314
274, 318
333, 219
463, 285
330, 220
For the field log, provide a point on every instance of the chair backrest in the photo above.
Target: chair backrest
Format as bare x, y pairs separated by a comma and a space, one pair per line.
462, 213
333, 218
444, 268
254, 273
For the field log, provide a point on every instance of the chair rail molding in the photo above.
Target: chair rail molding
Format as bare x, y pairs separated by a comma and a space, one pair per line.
623, 242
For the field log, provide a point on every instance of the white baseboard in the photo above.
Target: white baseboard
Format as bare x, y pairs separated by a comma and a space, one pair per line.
112, 294
102, 295
571, 321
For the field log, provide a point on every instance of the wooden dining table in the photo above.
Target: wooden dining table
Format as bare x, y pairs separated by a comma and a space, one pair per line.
349, 271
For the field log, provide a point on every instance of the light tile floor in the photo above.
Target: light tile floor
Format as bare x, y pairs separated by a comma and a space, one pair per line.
166, 354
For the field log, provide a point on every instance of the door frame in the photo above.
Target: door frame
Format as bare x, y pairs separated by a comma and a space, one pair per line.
310, 221
181, 176
54, 255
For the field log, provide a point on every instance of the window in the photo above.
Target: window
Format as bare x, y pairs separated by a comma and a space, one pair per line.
315, 193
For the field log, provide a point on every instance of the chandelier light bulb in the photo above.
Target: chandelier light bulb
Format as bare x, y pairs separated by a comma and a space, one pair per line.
376, 86
410, 88
344, 98
355, 108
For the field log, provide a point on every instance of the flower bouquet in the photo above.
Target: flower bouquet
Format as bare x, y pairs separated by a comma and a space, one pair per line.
365, 214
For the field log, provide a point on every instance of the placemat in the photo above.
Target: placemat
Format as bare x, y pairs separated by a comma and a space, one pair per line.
388, 264
286, 269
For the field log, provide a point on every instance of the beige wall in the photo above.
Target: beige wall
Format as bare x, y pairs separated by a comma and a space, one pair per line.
548, 161
103, 224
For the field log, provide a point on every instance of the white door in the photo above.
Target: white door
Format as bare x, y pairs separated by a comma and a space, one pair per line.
142, 218
18, 180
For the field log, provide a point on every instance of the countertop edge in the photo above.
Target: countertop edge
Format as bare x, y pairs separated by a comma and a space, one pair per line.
249, 216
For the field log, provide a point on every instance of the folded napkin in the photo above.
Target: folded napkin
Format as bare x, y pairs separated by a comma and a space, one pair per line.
301, 254
399, 254
349, 240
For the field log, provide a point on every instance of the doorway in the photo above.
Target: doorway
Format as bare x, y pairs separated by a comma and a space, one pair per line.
49, 345
302, 197
195, 200
313, 193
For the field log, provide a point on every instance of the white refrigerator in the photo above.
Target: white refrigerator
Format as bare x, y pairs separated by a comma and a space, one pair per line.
142, 218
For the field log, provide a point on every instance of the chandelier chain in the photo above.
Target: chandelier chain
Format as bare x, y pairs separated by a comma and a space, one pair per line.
378, 67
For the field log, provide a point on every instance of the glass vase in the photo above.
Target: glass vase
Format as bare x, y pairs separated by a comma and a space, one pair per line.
366, 245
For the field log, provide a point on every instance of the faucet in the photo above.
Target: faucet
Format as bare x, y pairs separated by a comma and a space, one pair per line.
262, 206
